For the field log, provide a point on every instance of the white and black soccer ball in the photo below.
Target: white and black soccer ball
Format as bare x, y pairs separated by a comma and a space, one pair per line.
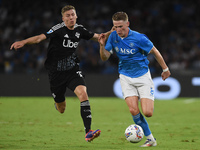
134, 133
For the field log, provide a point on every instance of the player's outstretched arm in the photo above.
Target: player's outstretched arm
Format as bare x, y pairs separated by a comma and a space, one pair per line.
104, 54
31, 40
96, 36
166, 72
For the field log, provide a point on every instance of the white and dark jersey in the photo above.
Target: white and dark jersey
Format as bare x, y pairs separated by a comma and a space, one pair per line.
62, 46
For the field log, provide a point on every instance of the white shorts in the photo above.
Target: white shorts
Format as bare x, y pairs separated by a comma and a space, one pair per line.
142, 87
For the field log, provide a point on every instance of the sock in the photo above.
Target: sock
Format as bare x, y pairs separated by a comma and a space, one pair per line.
141, 121
86, 115
150, 137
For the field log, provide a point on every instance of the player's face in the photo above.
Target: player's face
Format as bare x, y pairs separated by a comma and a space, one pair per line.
69, 17
121, 28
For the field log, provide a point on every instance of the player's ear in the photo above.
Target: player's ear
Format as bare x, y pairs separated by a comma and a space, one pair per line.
128, 23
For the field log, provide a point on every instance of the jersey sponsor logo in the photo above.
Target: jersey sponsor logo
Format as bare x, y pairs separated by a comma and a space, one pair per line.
70, 44
124, 50
127, 51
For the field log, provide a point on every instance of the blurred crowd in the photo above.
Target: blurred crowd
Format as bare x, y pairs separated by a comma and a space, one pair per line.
173, 27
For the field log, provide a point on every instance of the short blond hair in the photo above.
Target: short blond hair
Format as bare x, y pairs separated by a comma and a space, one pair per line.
66, 8
120, 16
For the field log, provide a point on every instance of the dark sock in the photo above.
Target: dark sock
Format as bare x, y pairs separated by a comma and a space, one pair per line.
86, 115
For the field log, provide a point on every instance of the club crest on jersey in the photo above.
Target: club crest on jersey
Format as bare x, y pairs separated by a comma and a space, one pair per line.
131, 44
77, 34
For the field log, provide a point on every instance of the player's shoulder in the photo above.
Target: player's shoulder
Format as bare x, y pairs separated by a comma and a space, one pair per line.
138, 35
78, 26
135, 33
58, 26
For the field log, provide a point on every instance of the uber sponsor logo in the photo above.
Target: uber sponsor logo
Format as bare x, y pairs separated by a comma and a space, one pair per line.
70, 44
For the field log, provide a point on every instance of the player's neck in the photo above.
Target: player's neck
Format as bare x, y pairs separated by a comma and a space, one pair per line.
127, 31
126, 34
70, 27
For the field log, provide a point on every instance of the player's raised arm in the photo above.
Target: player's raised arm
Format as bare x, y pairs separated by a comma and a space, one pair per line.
166, 73
31, 40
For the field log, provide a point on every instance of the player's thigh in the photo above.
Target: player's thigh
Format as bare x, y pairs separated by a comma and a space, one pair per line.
58, 93
128, 90
145, 87
78, 86
147, 106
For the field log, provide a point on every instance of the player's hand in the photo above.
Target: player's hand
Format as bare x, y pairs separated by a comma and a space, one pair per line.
17, 45
113, 29
102, 39
165, 75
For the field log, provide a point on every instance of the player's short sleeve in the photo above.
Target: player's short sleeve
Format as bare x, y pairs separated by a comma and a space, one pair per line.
86, 34
51, 33
145, 43
108, 45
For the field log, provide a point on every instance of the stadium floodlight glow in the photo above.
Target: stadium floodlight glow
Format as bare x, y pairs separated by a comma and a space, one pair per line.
196, 81
174, 88
117, 89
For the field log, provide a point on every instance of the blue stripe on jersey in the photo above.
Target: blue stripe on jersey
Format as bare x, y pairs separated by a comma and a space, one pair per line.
132, 52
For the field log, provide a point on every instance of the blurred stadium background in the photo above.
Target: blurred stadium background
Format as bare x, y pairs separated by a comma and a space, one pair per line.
173, 27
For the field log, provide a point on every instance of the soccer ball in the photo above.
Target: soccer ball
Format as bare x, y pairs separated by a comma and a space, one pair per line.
134, 133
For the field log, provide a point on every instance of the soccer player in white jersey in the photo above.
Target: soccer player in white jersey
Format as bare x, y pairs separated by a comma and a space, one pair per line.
132, 49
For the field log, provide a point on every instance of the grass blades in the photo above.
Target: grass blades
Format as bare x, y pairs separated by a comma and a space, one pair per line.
32, 123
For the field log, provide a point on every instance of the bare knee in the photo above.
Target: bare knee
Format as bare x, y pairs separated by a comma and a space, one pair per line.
134, 111
148, 113
61, 107
81, 92
61, 110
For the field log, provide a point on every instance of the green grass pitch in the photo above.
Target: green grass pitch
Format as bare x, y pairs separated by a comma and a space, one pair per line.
32, 123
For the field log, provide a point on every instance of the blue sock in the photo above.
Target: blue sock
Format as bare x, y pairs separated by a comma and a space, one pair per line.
141, 121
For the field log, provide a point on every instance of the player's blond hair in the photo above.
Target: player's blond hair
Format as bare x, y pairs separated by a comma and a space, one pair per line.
66, 8
120, 16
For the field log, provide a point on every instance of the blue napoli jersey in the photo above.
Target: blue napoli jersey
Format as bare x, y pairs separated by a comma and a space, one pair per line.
132, 52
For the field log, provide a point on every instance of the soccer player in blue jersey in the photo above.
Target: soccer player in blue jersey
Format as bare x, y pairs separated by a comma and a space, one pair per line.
132, 49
